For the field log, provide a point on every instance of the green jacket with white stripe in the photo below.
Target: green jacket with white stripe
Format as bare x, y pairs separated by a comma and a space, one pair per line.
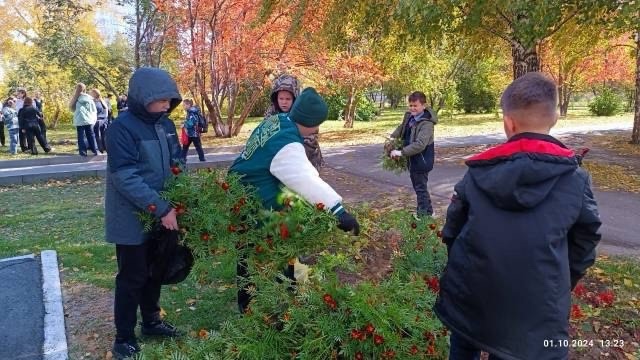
274, 158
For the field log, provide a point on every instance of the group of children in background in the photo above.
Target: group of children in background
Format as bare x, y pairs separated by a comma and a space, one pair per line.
22, 116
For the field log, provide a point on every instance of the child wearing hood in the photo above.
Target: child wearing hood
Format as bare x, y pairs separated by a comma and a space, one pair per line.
284, 91
191, 126
521, 230
143, 147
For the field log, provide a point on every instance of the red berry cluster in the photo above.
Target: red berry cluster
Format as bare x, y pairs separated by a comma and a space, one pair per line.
181, 209
284, 231
433, 283
430, 338
361, 334
236, 208
331, 303
176, 170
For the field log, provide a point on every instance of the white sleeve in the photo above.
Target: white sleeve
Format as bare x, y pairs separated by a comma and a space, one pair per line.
293, 169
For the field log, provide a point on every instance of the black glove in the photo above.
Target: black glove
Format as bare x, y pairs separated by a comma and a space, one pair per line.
346, 222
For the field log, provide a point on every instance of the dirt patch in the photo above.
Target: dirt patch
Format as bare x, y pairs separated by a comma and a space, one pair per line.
88, 312
374, 260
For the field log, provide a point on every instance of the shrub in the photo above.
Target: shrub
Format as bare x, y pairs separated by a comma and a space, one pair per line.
355, 309
606, 103
366, 110
474, 95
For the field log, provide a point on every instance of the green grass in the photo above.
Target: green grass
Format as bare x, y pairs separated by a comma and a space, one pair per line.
333, 134
67, 216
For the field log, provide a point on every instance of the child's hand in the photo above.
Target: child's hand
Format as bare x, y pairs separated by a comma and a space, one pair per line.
169, 221
395, 154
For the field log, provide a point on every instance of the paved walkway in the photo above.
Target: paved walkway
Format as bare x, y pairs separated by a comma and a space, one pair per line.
22, 307
621, 230
618, 210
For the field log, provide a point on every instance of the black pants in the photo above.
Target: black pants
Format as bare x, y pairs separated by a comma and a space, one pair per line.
134, 288
99, 129
33, 133
419, 181
22, 137
244, 298
2, 133
197, 143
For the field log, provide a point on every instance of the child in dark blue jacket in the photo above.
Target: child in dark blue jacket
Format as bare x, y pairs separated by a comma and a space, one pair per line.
192, 126
143, 146
521, 230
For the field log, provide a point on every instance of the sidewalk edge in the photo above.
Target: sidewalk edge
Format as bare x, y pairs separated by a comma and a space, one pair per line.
55, 339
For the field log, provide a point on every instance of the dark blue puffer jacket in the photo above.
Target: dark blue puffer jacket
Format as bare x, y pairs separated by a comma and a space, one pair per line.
521, 229
142, 147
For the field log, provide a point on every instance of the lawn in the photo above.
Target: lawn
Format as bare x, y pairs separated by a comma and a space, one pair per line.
68, 216
333, 134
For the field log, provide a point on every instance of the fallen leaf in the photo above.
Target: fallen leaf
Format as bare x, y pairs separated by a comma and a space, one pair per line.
628, 282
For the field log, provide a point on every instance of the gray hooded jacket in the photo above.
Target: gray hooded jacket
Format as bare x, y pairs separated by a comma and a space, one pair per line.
142, 148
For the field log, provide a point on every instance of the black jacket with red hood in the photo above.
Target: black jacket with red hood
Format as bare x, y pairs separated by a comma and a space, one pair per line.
521, 230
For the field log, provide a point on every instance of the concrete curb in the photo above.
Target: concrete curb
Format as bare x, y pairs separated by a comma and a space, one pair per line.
55, 338
61, 159
30, 256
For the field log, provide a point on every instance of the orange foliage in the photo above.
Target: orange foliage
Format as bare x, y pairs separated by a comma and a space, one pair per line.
611, 63
228, 52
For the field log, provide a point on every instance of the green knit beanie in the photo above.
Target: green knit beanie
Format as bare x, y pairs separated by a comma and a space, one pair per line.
309, 109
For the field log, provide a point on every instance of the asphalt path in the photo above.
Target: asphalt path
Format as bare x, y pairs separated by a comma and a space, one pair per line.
618, 210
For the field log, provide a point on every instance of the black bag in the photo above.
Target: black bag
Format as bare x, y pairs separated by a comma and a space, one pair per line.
169, 261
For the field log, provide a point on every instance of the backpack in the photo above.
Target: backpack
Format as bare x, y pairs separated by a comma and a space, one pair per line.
203, 124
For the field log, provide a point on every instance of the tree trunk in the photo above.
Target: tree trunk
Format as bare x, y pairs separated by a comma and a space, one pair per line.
136, 48
245, 112
635, 134
56, 117
524, 60
348, 110
564, 101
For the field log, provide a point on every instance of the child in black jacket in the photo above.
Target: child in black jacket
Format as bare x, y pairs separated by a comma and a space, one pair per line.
521, 229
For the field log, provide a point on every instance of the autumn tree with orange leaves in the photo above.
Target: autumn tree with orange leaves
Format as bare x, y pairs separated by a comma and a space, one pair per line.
230, 48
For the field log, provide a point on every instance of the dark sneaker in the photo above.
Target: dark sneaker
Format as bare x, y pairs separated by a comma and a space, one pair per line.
160, 328
125, 349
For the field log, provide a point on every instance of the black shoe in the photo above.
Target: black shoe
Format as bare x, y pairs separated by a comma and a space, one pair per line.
160, 328
125, 349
